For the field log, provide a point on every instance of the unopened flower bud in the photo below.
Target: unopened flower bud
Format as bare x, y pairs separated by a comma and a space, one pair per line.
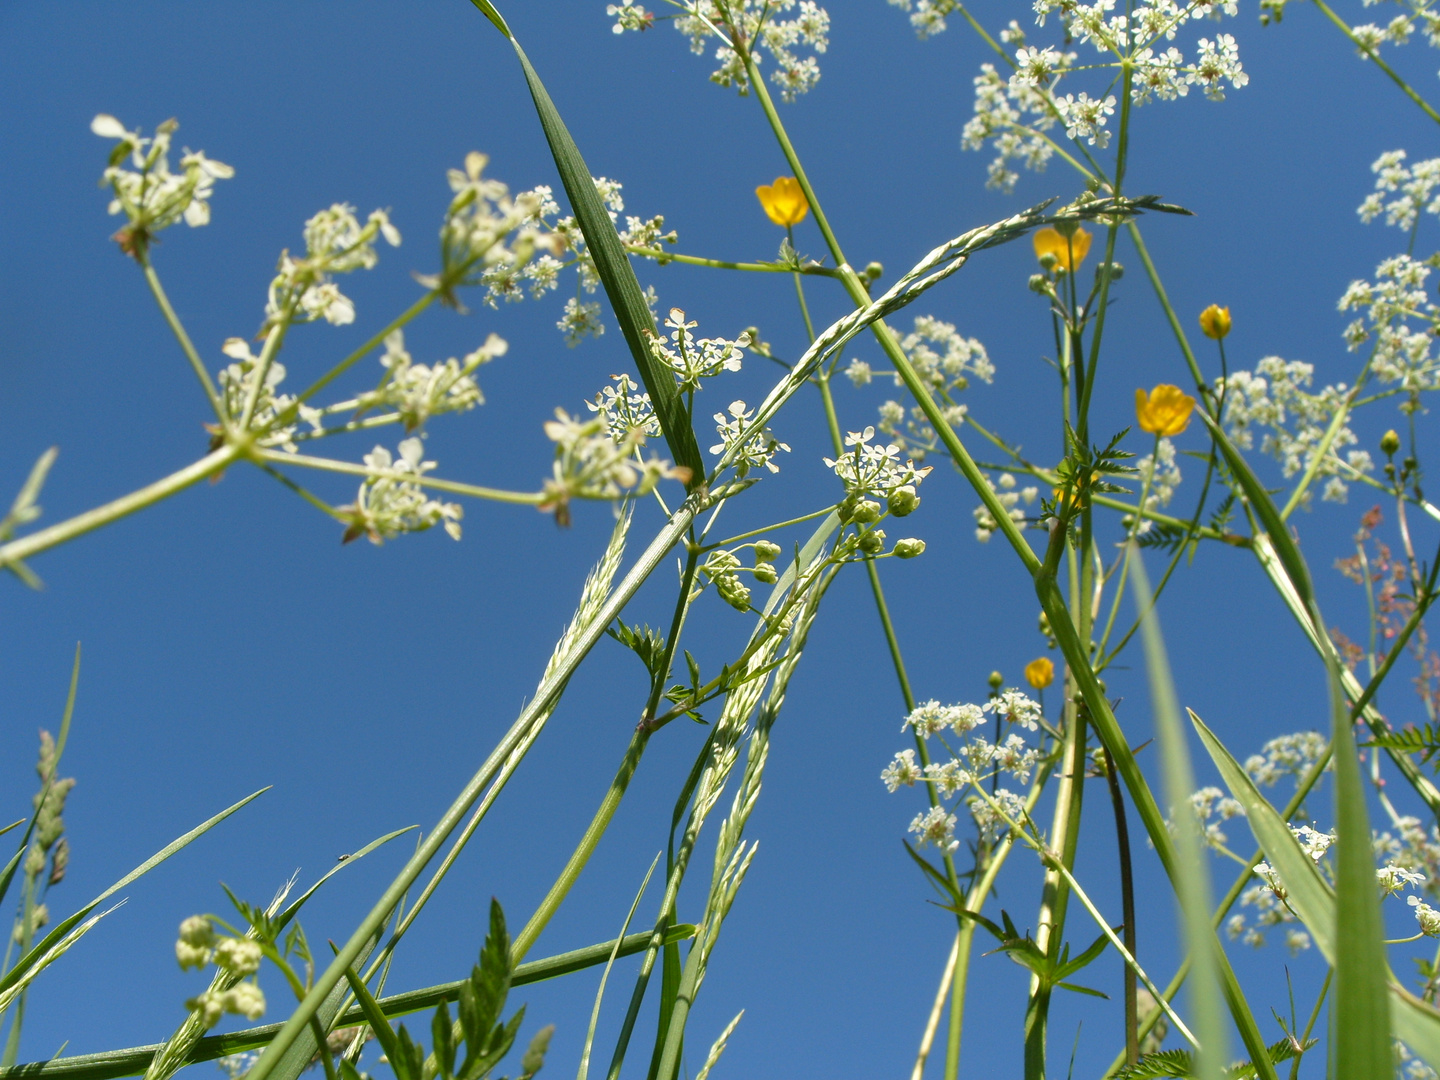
1390, 443
866, 512
1049, 260
240, 956
1044, 624
197, 937
245, 999
903, 500
996, 680
733, 592
874, 270
764, 572
872, 542
908, 549
1215, 321
765, 551
209, 1005
1116, 271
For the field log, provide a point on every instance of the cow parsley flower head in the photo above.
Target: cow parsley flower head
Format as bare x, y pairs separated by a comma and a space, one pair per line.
419, 391
1426, 916
391, 501
867, 469
626, 407
754, 446
237, 383
195, 945
593, 461
336, 242
936, 826
759, 26
901, 771
1016, 707
149, 195
693, 359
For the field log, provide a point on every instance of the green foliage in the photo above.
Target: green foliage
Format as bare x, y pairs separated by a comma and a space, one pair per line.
485, 1038
1180, 1064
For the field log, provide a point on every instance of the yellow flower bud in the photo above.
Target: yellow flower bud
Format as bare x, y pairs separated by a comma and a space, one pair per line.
1165, 411
1067, 252
783, 201
1215, 321
1040, 673
1390, 443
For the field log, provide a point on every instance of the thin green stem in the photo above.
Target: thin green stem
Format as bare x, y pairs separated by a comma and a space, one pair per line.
44, 539
178, 329
1374, 57
662, 257
280, 457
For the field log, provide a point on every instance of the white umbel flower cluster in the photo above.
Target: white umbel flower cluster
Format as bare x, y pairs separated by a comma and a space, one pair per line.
149, 195
391, 501
762, 24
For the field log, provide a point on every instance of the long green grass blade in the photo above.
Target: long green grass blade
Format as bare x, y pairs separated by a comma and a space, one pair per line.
1361, 1047
283, 919
1312, 899
40, 949
1192, 878
1307, 893
612, 264
111, 1064
605, 975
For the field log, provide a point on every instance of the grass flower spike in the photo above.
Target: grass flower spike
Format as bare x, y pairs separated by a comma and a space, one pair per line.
783, 201
1215, 321
1040, 672
1165, 411
1065, 252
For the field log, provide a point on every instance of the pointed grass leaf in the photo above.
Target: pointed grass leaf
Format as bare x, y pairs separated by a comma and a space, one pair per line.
389, 1042
1307, 893
1192, 878
1362, 1041
612, 265
1310, 896
293, 909
38, 951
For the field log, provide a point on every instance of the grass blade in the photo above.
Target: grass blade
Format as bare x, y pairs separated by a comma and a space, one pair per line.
600, 993
1192, 884
1361, 1047
612, 264
52, 939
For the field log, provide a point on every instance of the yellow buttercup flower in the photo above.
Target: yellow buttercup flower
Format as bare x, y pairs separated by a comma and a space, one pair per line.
1040, 673
1069, 252
1215, 321
783, 201
1165, 410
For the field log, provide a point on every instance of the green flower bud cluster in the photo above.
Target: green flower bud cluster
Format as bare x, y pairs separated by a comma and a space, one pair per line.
720, 567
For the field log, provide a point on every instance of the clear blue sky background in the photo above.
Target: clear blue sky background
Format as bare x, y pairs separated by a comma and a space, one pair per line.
231, 642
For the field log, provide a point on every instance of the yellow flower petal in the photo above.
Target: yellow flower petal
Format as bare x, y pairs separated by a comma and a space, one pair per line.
783, 201
1165, 411
1068, 252
1215, 321
1040, 673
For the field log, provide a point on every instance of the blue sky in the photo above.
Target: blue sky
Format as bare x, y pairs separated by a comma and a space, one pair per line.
231, 642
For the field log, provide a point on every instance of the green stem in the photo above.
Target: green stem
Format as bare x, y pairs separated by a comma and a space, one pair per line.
178, 329
545, 696
662, 257
1375, 58
133, 1061
278, 457
611, 802
44, 539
